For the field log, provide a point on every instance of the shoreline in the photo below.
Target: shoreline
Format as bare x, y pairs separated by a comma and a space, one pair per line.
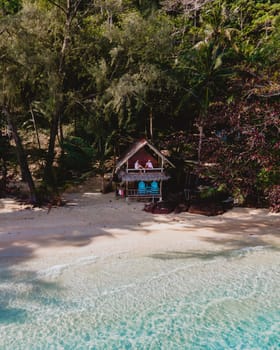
95, 224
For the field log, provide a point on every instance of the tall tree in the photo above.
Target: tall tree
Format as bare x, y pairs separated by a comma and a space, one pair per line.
206, 65
15, 78
68, 11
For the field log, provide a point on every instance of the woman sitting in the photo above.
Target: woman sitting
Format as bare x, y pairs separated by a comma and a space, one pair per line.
138, 166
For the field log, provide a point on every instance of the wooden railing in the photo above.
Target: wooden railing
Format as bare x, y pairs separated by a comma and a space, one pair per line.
144, 170
135, 193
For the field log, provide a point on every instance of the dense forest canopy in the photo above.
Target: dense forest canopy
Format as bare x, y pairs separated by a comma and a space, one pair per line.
81, 79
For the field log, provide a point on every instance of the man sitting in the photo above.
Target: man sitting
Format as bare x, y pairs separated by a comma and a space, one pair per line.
149, 164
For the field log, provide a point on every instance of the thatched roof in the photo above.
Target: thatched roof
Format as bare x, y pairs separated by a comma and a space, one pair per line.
135, 148
153, 176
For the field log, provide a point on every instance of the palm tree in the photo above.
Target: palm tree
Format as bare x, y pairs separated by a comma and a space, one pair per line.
208, 80
207, 70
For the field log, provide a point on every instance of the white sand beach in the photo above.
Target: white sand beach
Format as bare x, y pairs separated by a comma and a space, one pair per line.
102, 273
92, 223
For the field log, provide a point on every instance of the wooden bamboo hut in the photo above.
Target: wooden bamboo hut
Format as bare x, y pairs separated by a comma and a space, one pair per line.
142, 182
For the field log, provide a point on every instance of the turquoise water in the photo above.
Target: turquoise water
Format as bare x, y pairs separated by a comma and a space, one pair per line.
173, 300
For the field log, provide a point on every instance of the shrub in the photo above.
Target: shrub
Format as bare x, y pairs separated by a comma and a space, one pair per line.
274, 199
78, 154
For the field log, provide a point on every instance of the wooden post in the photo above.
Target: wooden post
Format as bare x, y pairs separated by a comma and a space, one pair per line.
126, 183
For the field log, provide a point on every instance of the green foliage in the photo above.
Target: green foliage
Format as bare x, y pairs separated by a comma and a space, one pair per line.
268, 177
10, 6
208, 193
108, 71
78, 155
213, 193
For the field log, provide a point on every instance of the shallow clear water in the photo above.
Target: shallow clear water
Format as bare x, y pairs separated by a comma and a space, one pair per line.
172, 300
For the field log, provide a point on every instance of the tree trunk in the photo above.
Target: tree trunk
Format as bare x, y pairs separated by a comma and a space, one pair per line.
35, 127
49, 177
3, 176
61, 137
70, 11
26, 175
200, 129
151, 124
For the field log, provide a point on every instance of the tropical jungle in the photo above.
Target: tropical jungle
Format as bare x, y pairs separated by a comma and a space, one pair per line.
82, 79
